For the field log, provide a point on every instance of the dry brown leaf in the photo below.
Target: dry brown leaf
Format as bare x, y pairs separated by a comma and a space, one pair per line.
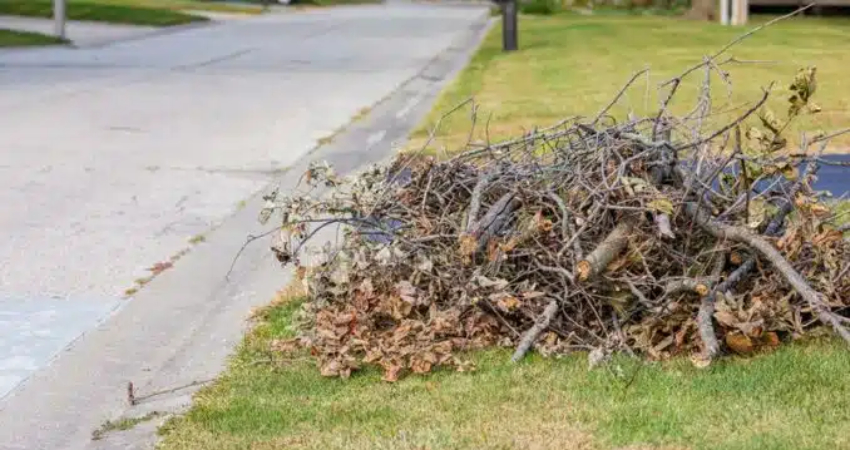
700, 361
770, 339
284, 345
726, 318
543, 225
391, 373
740, 343
420, 366
468, 245
331, 369
819, 210
583, 268
160, 267
735, 258
510, 245
508, 303
493, 250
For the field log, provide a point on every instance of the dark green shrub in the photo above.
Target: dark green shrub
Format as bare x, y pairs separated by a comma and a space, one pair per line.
540, 7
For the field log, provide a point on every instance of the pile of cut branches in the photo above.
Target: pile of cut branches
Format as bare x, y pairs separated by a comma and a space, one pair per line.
649, 236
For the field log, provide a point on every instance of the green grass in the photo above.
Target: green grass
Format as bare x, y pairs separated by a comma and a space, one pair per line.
186, 5
9, 38
133, 12
122, 425
793, 398
574, 65
842, 213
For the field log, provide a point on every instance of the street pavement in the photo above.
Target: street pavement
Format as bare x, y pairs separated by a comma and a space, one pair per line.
78, 32
112, 159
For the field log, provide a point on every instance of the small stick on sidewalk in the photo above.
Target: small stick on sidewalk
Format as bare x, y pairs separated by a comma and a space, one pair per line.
131, 394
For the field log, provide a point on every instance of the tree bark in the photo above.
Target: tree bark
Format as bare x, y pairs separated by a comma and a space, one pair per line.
607, 250
531, 335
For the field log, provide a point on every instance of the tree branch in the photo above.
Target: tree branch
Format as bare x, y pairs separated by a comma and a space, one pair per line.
770, 253
605, 252
533, 333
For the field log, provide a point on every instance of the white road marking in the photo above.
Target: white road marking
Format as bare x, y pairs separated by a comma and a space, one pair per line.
376, 137
408, 106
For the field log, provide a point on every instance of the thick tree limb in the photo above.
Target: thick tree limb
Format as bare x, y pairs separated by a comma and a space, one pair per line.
771, 254
773, 227
605, 252
475, 201
533, 333
494, 219
697, 285
706, 312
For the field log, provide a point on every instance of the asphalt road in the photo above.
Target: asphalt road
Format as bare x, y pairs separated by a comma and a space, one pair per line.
113, 158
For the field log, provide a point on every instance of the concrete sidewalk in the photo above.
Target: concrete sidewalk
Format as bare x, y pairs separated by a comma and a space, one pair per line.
79, 33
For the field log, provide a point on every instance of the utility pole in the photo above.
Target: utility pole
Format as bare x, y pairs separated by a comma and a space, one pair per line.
509, 25
59, 18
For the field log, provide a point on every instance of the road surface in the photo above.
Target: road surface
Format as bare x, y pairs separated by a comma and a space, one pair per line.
112, 159
81, 34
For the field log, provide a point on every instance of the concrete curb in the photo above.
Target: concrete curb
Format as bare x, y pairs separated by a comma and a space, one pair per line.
140, 32
177, 333
154, 33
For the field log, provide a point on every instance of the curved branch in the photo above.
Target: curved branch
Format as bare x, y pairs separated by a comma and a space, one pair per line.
770, 253
533, 333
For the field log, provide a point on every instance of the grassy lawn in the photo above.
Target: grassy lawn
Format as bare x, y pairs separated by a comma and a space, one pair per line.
134, 12
337, 2
9, 38
791, 399
574, 65
187, 5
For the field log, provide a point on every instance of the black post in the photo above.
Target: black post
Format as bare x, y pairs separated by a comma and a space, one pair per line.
509, 25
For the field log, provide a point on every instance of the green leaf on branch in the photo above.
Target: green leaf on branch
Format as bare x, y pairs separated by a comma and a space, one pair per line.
802, 88
662, 205
768, 118
635, 185
756, 213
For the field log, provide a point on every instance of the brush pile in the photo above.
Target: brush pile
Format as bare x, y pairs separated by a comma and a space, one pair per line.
648, 236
